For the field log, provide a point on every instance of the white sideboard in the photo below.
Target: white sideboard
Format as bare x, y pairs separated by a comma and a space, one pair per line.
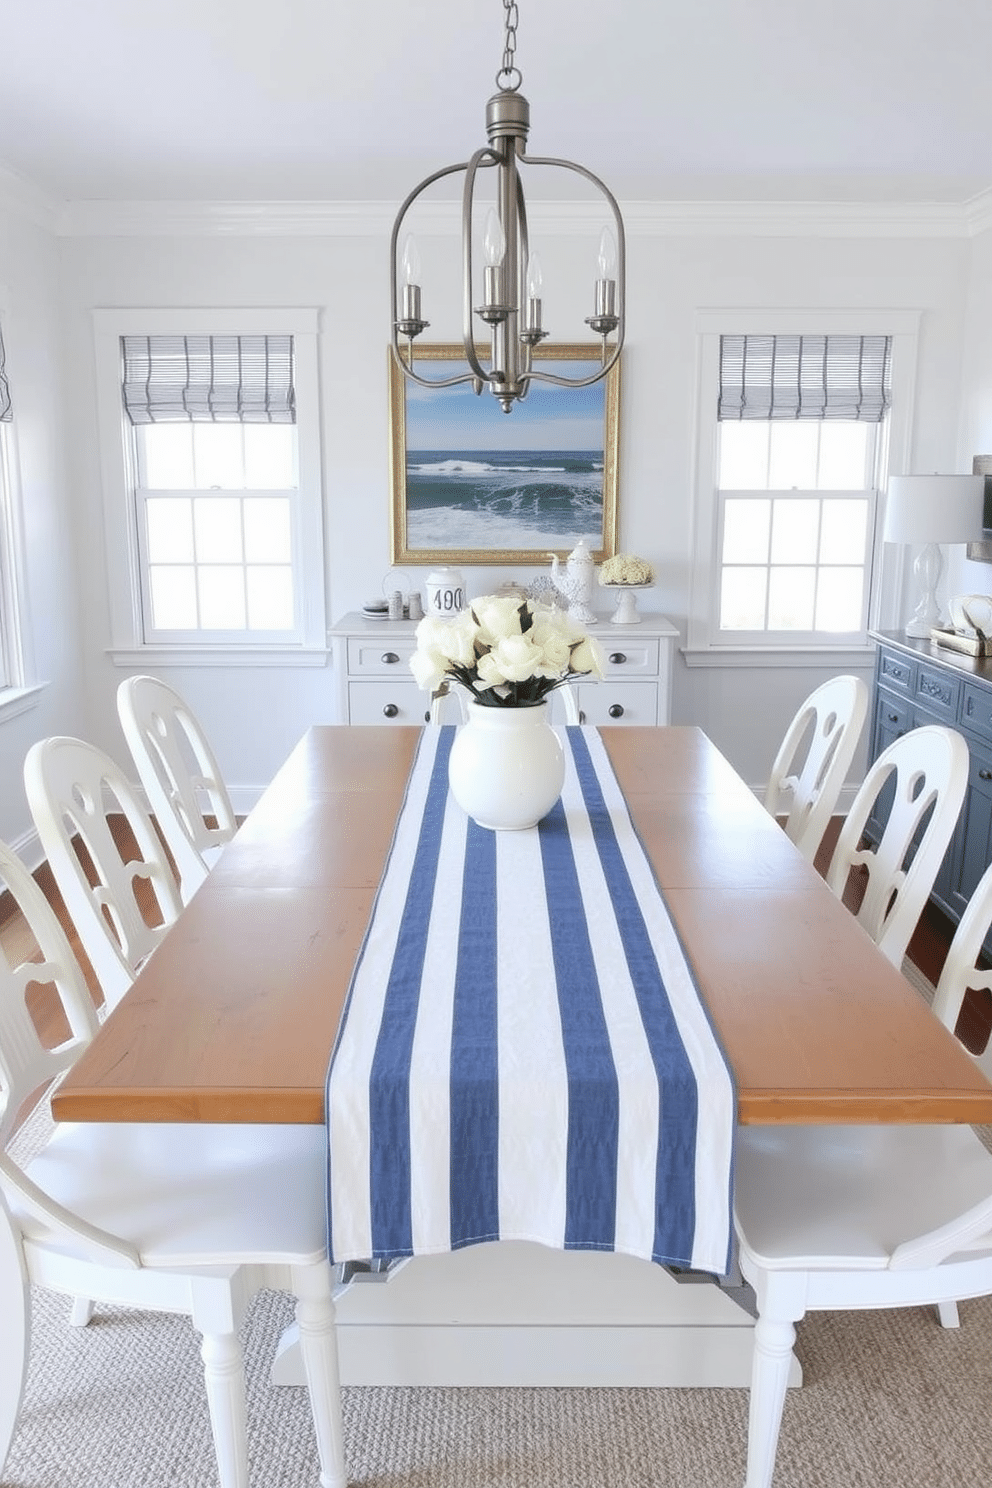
374, 683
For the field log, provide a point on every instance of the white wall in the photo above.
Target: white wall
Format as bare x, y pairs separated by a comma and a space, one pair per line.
253, 716
29, 294
975, 427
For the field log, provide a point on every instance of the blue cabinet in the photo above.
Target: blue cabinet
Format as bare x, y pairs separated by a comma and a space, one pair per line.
917, 683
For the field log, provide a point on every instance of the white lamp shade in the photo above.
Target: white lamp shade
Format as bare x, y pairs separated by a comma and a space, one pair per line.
933, 509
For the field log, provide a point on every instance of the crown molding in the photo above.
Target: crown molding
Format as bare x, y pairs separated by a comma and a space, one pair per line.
23, 199
978, 211
642, 218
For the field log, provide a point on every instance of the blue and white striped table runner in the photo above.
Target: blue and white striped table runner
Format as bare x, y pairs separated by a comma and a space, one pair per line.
524, 1054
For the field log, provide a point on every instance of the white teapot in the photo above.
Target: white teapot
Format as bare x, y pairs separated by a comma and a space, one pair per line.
577, 580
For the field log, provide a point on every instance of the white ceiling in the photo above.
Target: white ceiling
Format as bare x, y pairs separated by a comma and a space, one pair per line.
312, 100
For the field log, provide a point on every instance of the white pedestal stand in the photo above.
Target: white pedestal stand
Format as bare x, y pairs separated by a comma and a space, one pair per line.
626, 610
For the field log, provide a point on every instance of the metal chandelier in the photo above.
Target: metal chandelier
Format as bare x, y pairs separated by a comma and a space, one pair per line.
510, 302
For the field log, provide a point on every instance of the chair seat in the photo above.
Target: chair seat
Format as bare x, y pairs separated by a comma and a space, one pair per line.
843, 1197
193, 1195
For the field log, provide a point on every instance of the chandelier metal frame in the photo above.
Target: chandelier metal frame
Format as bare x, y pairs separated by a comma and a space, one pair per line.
511, 306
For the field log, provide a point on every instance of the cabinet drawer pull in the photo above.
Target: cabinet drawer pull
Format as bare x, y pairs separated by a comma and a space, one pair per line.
985, 774
617, 658
893, 717
582, 716
389, 657
616, 711
390, 710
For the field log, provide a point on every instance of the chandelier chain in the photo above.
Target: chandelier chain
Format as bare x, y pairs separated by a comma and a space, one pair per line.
509, 69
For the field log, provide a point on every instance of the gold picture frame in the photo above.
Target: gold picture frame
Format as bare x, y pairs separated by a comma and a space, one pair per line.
496, 488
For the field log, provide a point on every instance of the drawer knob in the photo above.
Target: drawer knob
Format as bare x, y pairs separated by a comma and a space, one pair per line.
582, 716
616, 711
893, 717
985, 774
390, 710
617, 658
389, 657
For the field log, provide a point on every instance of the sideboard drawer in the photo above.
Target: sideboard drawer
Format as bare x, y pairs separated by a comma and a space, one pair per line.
610, 703
976, 710
389, 656
627, 657
401, 701
896, 671
938, 691
894, 715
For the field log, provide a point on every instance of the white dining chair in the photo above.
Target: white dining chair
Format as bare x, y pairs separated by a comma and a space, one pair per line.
917, 785
846, 1218
166, 1218
814, 757
121, 905
180, 776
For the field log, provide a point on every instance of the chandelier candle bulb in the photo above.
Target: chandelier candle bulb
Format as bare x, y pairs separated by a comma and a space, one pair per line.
606, 284
535, 282
411, 273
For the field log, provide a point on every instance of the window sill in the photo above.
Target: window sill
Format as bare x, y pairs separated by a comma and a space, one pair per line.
219, 656
15, 700
829, 657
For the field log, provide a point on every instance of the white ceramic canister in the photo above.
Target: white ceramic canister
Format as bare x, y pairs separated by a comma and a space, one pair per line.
445, 590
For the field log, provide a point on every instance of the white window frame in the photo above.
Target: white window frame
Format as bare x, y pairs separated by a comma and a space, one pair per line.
18, 691
706, 645
121, 525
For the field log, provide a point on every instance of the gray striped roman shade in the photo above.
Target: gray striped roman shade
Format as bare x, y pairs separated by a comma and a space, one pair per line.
805, 377
6, 414
212, 379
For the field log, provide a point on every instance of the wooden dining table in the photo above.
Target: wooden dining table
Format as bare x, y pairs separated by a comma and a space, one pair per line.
234, 1017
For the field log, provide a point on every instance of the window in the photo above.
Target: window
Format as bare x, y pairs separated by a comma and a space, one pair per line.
11, 668
216, 487
793, 448
797, 520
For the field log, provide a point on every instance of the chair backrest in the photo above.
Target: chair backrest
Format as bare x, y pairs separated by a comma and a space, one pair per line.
27, 1066
814, 758
569, 704
959, 972
71, 788
922, 777
180, 776
25, 1063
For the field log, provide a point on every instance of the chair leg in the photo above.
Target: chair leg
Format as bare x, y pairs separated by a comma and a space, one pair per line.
15, 1309
224, 1374
81, 1313
773, 1341
948, 1313
315, 1315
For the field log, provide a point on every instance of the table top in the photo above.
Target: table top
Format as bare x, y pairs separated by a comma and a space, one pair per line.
234, 1016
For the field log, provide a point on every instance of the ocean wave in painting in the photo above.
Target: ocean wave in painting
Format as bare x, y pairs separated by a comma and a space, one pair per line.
495, 499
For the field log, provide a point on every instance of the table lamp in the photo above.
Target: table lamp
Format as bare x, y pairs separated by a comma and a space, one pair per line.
928, 510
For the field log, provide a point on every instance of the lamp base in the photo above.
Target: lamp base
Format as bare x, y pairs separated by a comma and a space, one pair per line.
927, 571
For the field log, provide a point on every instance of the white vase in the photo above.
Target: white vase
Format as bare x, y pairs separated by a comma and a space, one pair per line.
506, 767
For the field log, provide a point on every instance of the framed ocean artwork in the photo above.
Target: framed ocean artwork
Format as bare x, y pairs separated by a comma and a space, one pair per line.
472, 484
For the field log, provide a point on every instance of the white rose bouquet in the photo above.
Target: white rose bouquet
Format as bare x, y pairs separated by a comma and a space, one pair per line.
507, 652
